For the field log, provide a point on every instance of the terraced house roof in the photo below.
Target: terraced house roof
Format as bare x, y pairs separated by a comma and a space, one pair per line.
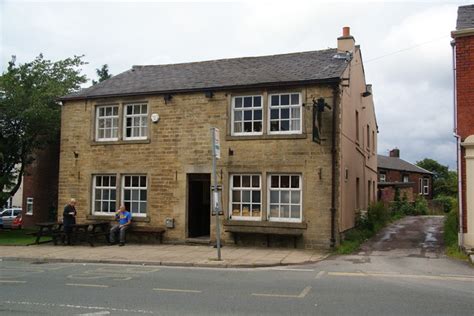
276, 70
395, 163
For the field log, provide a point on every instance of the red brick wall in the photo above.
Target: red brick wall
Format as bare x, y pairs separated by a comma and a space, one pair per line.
41, 183
465, 85
465, 103
387, 194
397, 176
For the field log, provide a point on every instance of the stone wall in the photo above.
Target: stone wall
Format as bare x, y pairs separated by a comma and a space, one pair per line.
179, 144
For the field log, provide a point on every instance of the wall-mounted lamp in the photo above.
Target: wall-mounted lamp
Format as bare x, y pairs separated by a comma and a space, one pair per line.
76, 154
167, 98
209, 94
368, 91
155, 117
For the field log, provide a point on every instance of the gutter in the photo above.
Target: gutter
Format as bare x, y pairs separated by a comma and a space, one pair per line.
335, 113
458, 144
202, 89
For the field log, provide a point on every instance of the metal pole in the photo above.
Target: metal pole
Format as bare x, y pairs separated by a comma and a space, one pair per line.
215, 195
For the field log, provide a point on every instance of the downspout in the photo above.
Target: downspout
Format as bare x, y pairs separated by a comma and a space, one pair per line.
458, 144
335, 113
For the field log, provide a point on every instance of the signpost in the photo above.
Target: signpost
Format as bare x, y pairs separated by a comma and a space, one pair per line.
216, 154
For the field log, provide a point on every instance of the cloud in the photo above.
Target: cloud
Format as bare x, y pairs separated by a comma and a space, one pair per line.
412, 79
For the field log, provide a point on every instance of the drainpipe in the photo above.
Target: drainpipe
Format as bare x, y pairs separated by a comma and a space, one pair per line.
458, 144
333, 168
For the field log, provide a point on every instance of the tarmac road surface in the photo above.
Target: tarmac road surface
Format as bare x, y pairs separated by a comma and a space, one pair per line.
400, 272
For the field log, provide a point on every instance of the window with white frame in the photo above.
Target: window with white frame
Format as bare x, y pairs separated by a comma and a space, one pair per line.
426, 186
406, 178
134, 194
247, 115
104, 194
382, 177
136, 121
29, 206
285, 113
284, 198
246, 197
107, 123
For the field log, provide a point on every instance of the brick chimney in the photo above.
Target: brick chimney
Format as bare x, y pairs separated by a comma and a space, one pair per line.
346, 42
395, 153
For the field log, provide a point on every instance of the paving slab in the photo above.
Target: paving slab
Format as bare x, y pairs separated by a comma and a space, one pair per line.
172, 255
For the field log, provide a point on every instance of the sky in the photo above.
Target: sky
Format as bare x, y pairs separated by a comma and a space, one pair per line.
405, 46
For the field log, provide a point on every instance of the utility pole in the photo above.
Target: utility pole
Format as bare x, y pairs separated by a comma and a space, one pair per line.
216, 154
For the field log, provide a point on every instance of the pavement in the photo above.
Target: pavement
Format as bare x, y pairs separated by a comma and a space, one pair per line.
401, 271
166, 255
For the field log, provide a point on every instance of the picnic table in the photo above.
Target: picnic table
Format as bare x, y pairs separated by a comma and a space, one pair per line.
88, 232
48, 229
97, 230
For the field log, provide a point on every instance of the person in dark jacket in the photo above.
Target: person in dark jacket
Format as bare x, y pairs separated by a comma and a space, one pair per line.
69, 219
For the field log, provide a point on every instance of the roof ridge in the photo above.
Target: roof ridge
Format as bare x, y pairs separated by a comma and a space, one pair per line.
233, 58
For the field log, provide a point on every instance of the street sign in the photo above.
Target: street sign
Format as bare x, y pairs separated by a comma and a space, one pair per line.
217, 143
216, 201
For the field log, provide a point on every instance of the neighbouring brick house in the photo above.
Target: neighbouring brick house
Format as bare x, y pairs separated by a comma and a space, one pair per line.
463, 50
398, 174
298, 140
40, 186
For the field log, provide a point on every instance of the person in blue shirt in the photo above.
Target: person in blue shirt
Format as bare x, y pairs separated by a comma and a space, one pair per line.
124, 219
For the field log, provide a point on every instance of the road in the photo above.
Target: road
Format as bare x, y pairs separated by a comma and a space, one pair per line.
400, 272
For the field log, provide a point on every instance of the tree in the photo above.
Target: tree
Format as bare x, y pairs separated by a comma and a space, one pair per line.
30, 112
102, 74
444, 180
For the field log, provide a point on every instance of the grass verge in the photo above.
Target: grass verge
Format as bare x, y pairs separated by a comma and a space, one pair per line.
368, 225
451, 223
17, 237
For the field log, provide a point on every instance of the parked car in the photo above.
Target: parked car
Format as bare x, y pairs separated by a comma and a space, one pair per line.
11, 218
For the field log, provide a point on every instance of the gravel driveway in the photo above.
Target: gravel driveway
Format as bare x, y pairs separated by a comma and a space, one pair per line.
412, 236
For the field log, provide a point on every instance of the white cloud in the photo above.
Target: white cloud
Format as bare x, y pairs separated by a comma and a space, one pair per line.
412, 88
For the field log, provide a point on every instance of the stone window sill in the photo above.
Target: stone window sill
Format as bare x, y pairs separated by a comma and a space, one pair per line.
266, 137
230, 222
121, 142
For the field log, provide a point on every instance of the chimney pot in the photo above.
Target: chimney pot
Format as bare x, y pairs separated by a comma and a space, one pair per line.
395, 153
346, 31
346, 42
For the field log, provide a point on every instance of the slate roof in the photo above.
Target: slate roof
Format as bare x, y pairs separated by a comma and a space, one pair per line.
465, 17
394, 163
304, 67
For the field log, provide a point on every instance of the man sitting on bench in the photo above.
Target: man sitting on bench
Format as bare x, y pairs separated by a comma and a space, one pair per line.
124, 220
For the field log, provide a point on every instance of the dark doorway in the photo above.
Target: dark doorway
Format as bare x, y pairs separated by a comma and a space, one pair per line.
199, 205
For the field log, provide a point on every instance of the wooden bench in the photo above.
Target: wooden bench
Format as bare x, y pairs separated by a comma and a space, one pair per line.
294, 230
157, 232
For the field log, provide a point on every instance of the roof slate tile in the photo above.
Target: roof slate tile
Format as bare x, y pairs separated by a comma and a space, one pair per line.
219, 74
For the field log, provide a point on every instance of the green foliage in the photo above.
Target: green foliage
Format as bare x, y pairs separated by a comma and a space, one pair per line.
367, 225
403, 207
444, 180
447, 202
30, 113
420, 206
102, 74
451, 225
